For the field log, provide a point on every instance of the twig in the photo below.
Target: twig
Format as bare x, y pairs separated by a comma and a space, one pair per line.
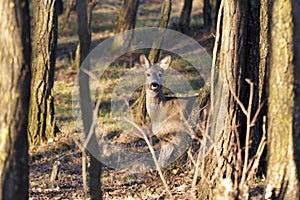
258, 154
88, 137
248, 129
248, 116
55, 170
153, 156
197, 165
84, 145
84, 174
191, 157
83, 165
95, 111
200, 154
215, 51
249, 168
65, 155
257, 112
87, 72
91, 130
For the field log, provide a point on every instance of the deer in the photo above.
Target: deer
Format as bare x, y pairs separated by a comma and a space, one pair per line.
168, 115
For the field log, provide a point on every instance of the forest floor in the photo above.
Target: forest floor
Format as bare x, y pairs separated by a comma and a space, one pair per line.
116, 184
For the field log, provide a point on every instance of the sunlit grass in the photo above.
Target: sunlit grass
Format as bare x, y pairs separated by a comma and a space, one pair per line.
103, 25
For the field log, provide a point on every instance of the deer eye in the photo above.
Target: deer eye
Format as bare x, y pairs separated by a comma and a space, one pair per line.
160, 75
148, 75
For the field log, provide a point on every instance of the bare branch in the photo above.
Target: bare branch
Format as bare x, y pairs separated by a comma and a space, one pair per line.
153, 156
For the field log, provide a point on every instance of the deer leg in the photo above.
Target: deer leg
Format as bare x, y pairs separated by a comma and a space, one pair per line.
165, 153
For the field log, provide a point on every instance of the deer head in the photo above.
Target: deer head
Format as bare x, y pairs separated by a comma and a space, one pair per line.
154, 74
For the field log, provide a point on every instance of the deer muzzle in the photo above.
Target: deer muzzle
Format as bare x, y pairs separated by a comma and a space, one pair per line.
154, 86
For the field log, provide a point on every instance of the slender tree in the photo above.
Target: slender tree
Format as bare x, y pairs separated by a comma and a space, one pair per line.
163, 23
127, 15
126, 21
84, 31
42, 121
185, 16
15, 50
153, 57
70, 4
283, 109
207, 14
84, 15
84, 34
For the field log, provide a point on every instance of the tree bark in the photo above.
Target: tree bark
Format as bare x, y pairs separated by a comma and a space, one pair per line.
126, 21
85, 97
91, 5
283, 136
42, 120
163, 23
127, 15
185, 16
15, 52
222, 162
296, 62
84, 30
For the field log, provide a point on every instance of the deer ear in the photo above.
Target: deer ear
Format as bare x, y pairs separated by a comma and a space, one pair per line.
144, 61
165, 62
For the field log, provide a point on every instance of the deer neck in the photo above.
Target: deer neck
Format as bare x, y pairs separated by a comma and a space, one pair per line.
155, 105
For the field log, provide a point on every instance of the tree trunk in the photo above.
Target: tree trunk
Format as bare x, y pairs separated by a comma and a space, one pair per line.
91, 5
42, 120
296, 62
127, 15
15, 52
222, 162
140, 116
126, 21
185, 16
59, 6
217, 7
66, 15
163, 23
207, 16
85, 97
283, 136
84, 31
